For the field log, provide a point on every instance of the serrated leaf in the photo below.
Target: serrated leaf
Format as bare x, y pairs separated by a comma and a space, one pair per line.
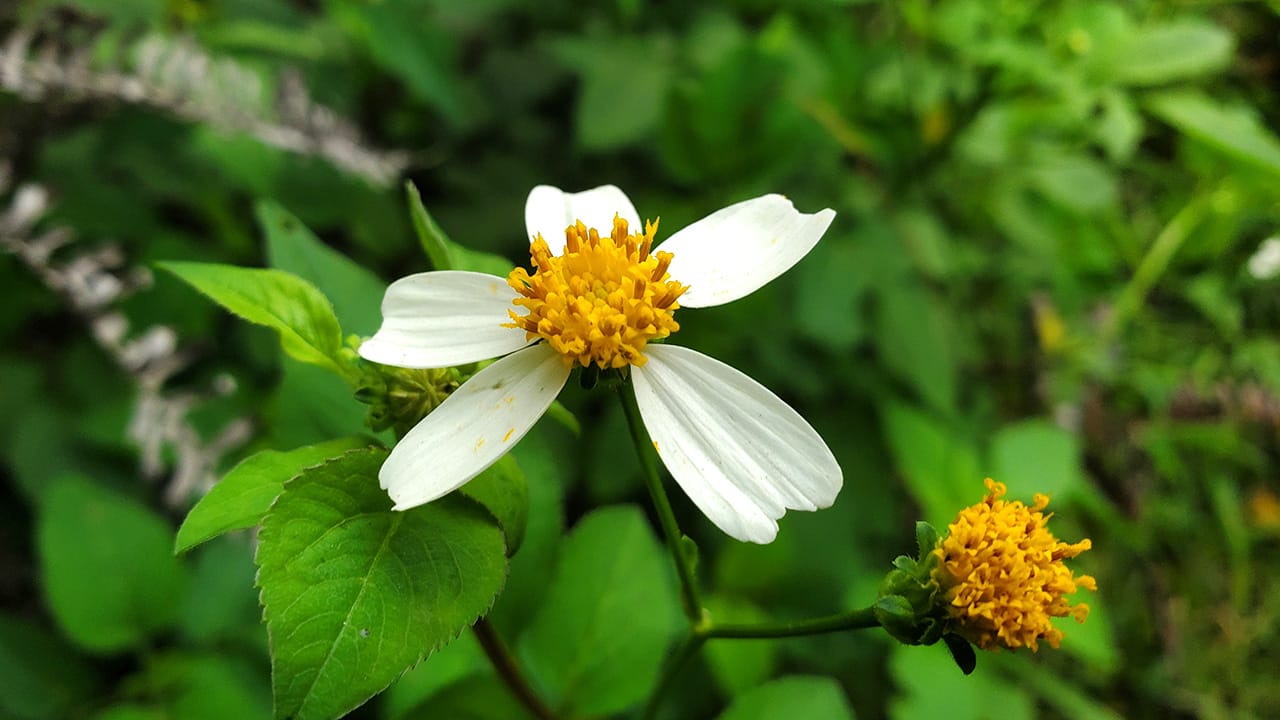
1234, 131
1177, 50
502, 490
109, 574
598, 640
353, 593
354, 291
291, 306
245, 494
444, 253
812, 698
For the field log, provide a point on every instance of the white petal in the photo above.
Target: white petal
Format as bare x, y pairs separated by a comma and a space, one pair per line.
741, 454
733, 252
440, 319
550, 210
473, 427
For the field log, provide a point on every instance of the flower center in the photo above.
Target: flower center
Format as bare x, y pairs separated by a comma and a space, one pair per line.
602, 299
1004, 575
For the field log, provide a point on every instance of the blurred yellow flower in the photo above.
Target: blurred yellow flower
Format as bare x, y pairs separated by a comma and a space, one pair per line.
1003, 574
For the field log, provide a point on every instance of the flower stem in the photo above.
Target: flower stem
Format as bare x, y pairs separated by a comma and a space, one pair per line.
709, 630
852, 620
505, 663
666, 516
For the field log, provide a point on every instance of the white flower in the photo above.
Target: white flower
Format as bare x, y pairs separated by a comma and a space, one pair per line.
741, 454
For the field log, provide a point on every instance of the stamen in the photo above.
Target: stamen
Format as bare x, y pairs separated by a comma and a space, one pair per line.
602, 300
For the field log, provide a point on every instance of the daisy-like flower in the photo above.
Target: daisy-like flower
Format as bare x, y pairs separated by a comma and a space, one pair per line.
1003, 574
598, 295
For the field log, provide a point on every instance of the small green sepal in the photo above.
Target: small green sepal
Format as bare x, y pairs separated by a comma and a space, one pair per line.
962, 652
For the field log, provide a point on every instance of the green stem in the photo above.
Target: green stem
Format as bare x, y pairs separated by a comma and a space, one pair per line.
505, 663
1155, 262
666, 516
852, 620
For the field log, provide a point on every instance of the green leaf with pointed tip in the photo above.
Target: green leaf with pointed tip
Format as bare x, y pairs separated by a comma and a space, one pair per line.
813, 698
286, 303
354, 593
444, 253
599, 638
354, 291
503, 491
245, 494
1232, 130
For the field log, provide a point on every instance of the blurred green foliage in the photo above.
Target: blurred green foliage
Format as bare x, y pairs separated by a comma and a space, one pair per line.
1040, 270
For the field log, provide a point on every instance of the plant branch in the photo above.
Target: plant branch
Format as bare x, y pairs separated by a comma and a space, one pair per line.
505, 663
852, 620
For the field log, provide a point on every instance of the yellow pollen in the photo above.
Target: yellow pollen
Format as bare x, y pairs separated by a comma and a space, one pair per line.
600, 301
1003, 574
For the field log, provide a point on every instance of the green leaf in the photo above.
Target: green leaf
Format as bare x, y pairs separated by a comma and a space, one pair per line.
354, 291
353, 593
444, 253
132, 712
221, 603
527, 584
828, 297
245, 494
449, 665
912, 335
1174, 51
1234, 131
435, 243
1076, 182
108, 567
931, 686
477, 697
208, 687
597, 642
291, 306
40, 675
940, 468
502, 490
604, 117
416, 52
812, 698
1036, 456
313, 405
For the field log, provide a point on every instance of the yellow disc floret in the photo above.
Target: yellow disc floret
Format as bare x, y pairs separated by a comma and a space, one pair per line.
1003, 574
602, 299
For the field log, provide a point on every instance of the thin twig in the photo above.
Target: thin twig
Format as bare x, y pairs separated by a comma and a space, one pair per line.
505, 663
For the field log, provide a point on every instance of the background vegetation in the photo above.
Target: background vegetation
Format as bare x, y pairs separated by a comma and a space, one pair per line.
1049, 266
